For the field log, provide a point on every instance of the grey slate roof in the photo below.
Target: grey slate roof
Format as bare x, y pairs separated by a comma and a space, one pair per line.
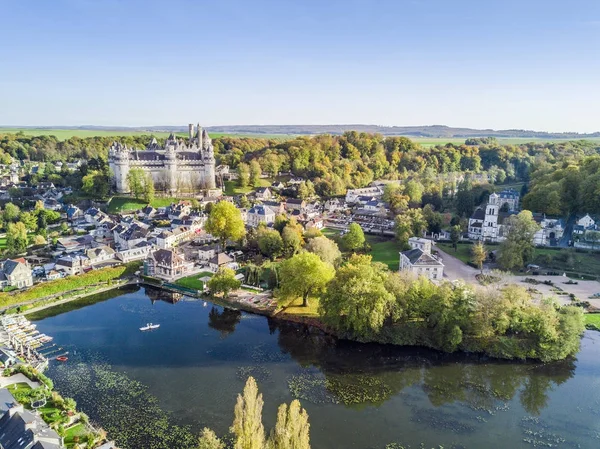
418, 257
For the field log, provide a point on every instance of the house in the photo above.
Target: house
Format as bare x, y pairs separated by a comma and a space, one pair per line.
24, 429
137, 252
352, 195
316, 223
100, 254
166, 264
551, 230
170, 239
263, 193
8, 357
16, 273
73, 212
334, 205
75, 244
179, 210
583, 224
208, 252
372, 206
507, 199
131, 236
260, 214
52, 204
278, 185
52, 275
149, 212
72, 264
220, 260
292, 204
420, 261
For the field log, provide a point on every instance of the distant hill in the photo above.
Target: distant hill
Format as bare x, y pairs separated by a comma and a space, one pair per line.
432, 131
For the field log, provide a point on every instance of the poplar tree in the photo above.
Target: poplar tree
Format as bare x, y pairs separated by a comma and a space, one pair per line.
292, 428
247, 423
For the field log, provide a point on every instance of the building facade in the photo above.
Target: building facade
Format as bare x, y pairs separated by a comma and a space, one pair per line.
179, 166
487, 222
420, 261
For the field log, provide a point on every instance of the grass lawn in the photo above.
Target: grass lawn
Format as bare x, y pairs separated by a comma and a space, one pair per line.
76, 430
2, 242
126, 204
21, 387
463, 251
194, 281
385, 250
330, 232
295, 308
592, 321
231, 187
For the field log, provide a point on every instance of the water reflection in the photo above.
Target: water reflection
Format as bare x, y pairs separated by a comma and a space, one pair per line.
355, 374
224, 320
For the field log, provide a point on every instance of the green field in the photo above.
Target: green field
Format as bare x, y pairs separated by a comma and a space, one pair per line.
194, 281
64, 134
231, 187
463, 251
432, 141
385, 250
127, 204
568, 260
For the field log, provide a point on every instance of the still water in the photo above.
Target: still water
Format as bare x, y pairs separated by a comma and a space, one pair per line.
186, 375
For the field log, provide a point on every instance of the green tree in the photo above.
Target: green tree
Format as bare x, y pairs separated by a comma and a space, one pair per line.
291, 429
148, 188
224, 281
270, 242
16, 238
517, 249
11, 212
354, 239
244, 202
208, 440
303, 275
478, 255
135, 181
292, 240
465, 202
306, 189
414, 190
593, 237
29, 220
39, 240
409, 224
255, 173
325, 248
356, 300
247, 423
225, 222
281, 220
455, 232
243, 174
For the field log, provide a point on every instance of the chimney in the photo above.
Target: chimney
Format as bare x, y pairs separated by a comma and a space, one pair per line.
191, 130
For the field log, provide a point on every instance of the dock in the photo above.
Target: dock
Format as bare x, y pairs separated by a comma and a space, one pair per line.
26, 341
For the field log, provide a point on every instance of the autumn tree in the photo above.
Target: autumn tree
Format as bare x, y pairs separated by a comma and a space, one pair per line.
243, 171
16, 238
247, 424
255, 173
270, 242
225, 222
517, 249
292, 239
303, 275
478, 255
135, 181
209, 440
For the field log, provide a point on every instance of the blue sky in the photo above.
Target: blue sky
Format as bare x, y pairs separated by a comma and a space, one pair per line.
531, 64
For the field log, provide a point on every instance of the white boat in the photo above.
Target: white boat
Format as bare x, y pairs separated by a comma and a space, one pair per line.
149, 327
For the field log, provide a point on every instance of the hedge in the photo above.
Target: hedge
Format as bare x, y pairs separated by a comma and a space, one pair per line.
51, 288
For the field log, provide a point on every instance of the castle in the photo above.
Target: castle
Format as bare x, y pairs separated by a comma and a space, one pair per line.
487, 223
180, 166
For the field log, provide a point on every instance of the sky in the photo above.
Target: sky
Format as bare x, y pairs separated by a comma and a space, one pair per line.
526, 64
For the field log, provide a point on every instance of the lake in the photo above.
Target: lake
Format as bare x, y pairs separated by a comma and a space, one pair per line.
154, 389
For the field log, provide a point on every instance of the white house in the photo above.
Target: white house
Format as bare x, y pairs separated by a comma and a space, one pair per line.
352, 195
16, 273
551, 230
206, 253
100, 254
260, 214
420, 261
138, 252
487, 223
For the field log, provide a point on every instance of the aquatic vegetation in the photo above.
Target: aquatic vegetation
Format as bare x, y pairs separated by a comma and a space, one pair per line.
539, 434
311, 387
123, 406
260, 373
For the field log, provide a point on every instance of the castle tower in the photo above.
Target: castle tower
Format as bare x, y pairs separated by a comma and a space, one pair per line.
171, 168
118, 161
191, 131
208, 156
199, 130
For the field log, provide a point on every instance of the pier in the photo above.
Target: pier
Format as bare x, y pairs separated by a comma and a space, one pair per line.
21, 336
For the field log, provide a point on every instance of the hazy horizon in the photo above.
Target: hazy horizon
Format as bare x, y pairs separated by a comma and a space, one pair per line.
465, 63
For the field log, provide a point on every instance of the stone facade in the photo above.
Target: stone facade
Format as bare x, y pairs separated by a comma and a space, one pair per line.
179, 166
420, 261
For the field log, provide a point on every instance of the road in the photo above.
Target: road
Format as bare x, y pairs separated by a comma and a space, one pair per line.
566, 238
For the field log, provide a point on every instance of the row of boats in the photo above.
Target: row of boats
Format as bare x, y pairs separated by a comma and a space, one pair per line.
23, 332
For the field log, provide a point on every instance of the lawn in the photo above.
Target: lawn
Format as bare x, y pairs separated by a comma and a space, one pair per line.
194, 281
385, 250
231, 187
592, 321
2, 242
463, 251
295, 308
127, 204
78, 430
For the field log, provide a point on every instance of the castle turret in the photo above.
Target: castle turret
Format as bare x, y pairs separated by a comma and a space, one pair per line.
208, 156
118, 161
191, 131
199, 134
171, 167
